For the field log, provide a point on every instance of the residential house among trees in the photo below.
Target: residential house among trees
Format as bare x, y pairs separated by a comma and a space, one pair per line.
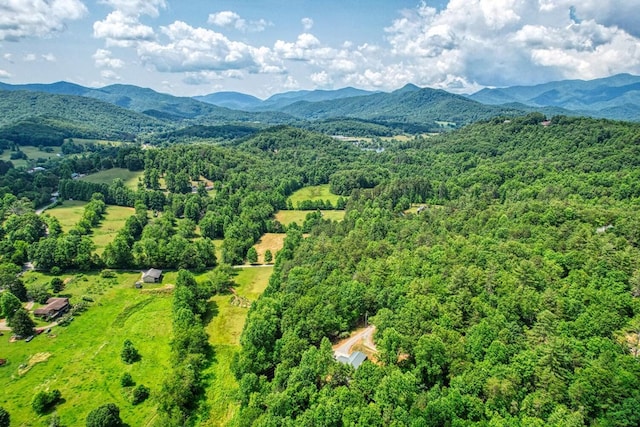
54, 308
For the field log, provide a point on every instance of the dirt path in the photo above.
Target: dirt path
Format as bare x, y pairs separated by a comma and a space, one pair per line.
362, 336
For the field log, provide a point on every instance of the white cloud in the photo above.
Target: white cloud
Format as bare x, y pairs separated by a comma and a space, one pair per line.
8, 57
4, 74
321, 79
307, 24
109, 75
29, 57
37, 18
49, 57
137, 7
103, 59
120, 29
231, 19
198, 49
475, 42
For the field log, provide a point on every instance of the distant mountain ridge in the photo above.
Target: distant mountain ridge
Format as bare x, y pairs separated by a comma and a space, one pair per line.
615, 97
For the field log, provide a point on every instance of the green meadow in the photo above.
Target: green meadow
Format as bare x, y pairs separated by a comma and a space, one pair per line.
224, 335
82, 360
108, 175
314, 193
287, 217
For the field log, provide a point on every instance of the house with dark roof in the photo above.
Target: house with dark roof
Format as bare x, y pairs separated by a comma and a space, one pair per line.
55, 307
152, 275
355, 359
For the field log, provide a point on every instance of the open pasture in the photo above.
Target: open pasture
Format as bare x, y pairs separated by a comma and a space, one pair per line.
288, 217
108, 175
82, 360
314, 193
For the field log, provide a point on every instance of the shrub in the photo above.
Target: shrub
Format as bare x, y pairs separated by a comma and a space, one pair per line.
5, 418
43, 400
140, 394
129, 353
107, 415
126, 380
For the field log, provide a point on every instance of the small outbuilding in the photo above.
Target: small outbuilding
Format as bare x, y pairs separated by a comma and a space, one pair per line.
355, 359
54, 308
152, 275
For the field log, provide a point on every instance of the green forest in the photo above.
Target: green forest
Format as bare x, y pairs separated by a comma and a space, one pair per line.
499, 263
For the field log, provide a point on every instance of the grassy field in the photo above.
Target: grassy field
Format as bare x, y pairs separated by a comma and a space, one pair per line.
271, 241
224, 334
68, 213
113, 221
318, 192
83, 361
107, 176
287, 217
32, 153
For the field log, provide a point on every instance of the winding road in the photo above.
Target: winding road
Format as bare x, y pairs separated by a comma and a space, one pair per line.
361, 336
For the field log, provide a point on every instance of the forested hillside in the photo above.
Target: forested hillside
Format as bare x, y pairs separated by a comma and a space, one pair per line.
511, 299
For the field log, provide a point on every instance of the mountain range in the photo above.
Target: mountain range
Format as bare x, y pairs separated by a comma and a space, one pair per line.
132, 109
615, 97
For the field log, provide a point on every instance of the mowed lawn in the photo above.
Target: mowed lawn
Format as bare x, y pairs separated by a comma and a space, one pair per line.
224, 334
82, 360
108, 175
112, 222
68, 213
288, 217
314, 193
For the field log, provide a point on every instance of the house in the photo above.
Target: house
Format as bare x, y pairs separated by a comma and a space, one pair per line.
355, 360
152, 275
54, 308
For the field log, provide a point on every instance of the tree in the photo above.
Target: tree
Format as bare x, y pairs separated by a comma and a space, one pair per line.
252, 255
268, 256
107, 415
129, 353
9, 304
56, 284
140, 394
43, 400
22, 324
126, 380
5, 418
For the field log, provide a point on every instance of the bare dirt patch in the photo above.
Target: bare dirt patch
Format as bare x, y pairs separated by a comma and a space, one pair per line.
33, 360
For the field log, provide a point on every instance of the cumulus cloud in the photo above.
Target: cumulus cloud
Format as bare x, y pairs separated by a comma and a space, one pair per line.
473, 42
103, 59
307, 24
137, 7
231, 19
193, 49
109, 75
49, 57
120, 29
29, 57
8, 57
4, 74
37, 18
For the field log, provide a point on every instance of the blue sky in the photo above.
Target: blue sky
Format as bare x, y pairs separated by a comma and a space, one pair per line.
264, 47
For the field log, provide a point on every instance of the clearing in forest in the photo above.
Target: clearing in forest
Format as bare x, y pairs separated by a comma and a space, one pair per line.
108, 175
288, 217
68, 213
314, 193
113, 221
271, 241
224, 334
